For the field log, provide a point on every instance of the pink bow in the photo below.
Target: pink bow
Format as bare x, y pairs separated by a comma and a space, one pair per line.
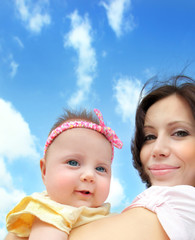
108, 132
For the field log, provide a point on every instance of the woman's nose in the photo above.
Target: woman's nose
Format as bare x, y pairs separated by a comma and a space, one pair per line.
87, 176
161, 148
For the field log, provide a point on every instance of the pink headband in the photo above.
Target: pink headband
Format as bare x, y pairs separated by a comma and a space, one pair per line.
101, 128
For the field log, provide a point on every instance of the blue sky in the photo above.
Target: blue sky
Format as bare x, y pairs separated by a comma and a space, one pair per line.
73, 54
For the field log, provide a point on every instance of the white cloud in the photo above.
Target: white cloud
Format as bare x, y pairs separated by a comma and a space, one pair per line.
116, 195
3, 233
116, 10
149, 72
37, 21
19, 42
12, 64
16, 139
9, 198
14, 67
77, 98
126, 92
33, 15
80, 39
5, 177
104, 54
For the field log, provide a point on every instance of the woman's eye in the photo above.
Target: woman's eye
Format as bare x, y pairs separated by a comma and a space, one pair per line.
149, 137
73, 163
181, 133
100, 169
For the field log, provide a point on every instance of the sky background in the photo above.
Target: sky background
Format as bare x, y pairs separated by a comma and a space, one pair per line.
57, 54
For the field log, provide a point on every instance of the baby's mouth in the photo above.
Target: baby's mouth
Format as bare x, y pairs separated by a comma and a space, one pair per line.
84, 192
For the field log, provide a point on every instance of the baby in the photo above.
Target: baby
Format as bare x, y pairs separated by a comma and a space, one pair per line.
76, 170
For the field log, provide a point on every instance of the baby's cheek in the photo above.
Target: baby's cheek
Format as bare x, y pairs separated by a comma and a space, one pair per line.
66, 180
104, 189
61, 180
58, 188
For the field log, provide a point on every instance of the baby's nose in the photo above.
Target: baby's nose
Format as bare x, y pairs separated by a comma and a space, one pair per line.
88, 176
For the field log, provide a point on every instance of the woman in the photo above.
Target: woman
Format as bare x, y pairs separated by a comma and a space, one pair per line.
163, 152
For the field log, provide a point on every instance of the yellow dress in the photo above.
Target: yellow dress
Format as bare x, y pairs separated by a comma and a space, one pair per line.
64, 217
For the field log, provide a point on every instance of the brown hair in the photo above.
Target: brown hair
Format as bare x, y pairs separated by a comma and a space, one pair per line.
181, 85
70, 115
75, 115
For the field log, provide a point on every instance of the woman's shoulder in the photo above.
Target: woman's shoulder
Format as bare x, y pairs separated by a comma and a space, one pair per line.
156, 196
174, 206
170, 189
163, 190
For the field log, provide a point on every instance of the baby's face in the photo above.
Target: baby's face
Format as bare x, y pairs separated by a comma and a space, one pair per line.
77, 170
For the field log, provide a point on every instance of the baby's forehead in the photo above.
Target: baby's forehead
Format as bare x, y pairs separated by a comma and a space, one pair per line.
80, 143
100, 129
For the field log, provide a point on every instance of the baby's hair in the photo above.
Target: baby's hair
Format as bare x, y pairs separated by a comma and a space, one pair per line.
71, 115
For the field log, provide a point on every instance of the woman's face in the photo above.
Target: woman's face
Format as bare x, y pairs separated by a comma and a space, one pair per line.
168, 152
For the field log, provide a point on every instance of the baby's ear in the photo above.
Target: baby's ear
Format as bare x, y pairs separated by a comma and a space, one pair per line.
43, 168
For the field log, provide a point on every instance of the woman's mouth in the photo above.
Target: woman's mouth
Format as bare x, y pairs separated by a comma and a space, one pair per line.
158, 170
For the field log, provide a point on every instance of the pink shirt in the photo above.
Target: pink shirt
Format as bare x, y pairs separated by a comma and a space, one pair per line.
175, 209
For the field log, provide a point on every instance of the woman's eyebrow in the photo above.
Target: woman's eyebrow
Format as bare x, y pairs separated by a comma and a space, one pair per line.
181, 122
148, 126
173, 123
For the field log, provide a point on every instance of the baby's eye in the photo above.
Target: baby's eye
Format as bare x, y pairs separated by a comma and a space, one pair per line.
100, 169
73, 163
181, 133
149, 137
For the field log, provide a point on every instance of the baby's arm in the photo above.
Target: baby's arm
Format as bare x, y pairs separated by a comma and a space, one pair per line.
12, 236
41, 230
